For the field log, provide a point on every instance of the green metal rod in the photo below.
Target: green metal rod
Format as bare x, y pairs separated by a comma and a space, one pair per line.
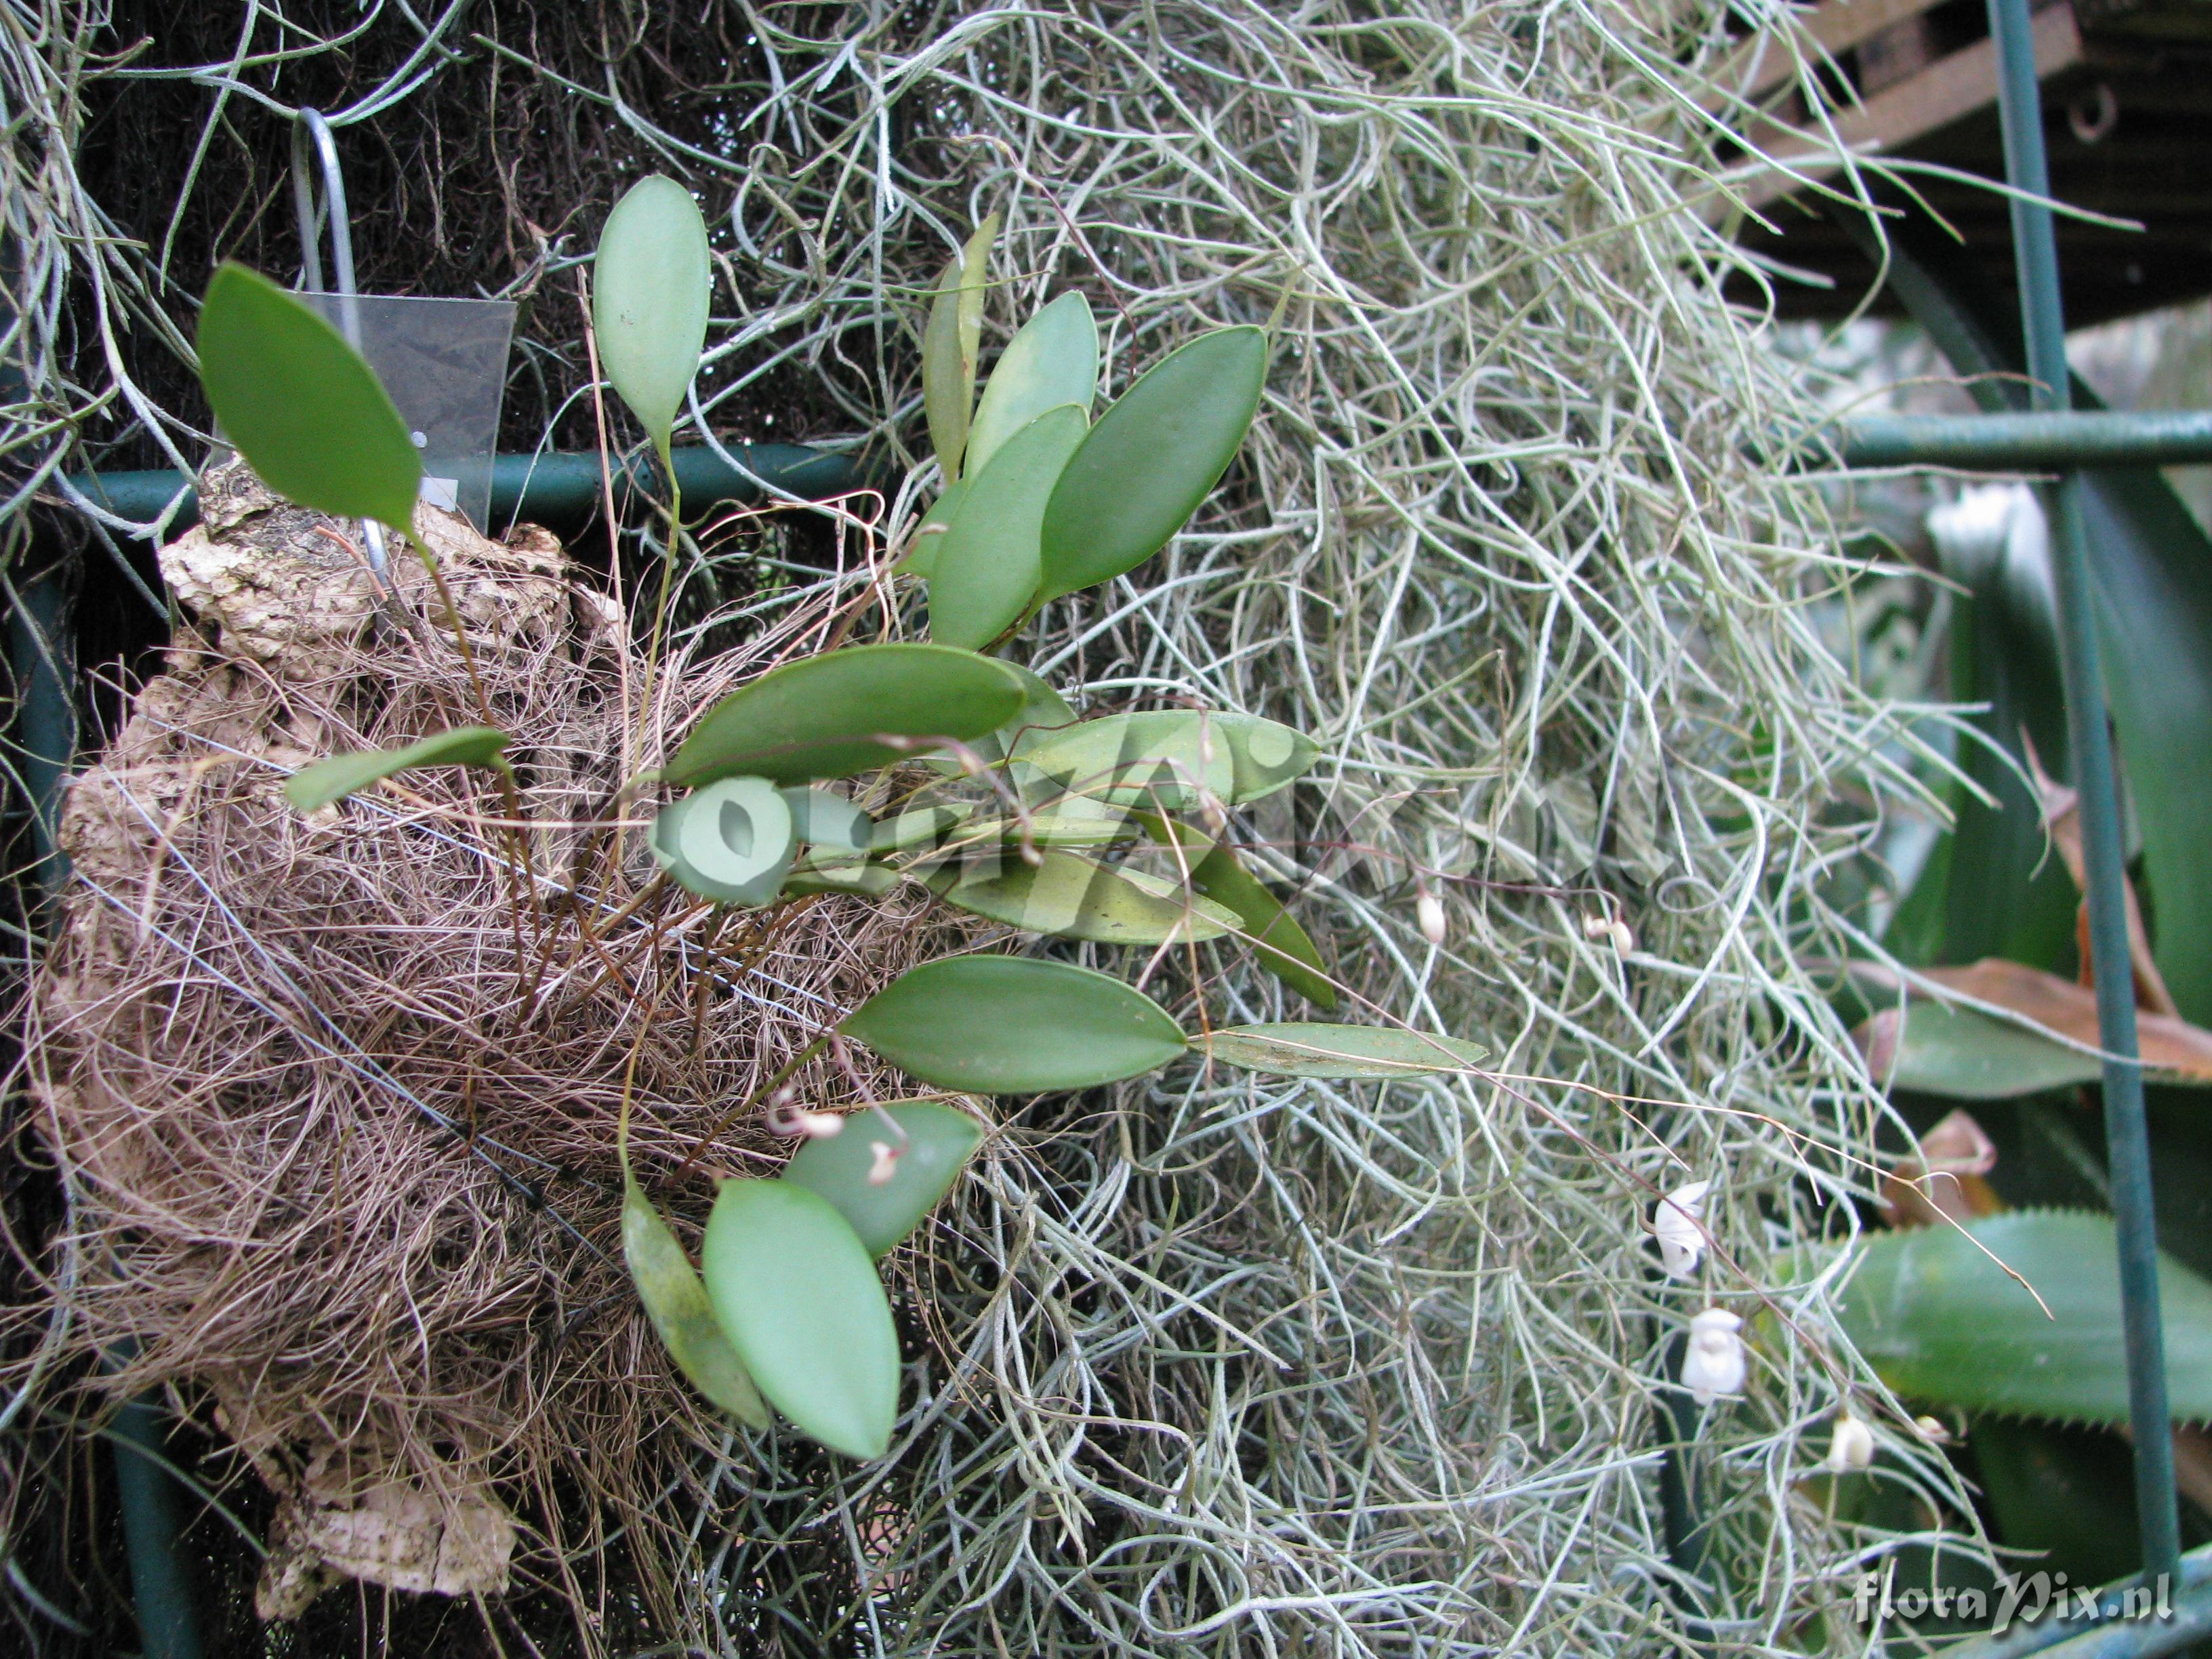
2129, 1639
556, 486
2048, 440
2035, 250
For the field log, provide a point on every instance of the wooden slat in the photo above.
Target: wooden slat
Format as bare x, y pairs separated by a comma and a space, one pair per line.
1951, 88
1835, 27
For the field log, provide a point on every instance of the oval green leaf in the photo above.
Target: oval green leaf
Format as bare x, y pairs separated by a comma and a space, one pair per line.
1052, 360
301, 404
938, 1140
916, 825
1941, 1321
1152, 458
1070, 896
1015, 1025
320, 782
676, 1302
810, 880
821, 717
1166, 758
1277, 940
929, 535
650, 285
1290, 1049
797, 1295
986, 572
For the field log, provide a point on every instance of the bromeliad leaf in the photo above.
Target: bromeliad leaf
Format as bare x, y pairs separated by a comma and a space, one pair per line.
676, 1302
1070, 896
1014, 1025
923, 1165
950, 344
824, 717
1152, 458
986, 571
1167, 758
1941, 1321
1273, 933
304, 409
1293, 1049
650, 285
1052, 360
795, 1292
323, 781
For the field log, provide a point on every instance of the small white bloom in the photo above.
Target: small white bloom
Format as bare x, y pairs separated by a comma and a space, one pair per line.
1681, 1241
1852, 1446
1430, 909
1714, 1364
1612, 928
885, 1164
784, 1119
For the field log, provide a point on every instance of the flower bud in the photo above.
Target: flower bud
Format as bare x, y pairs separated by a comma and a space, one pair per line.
1681, 1241
1713, 1365
1430, 909
1932, 1431
1852, 1447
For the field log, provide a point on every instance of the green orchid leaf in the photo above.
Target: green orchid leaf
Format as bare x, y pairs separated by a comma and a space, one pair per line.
1941, 1322
929, 534
822, 820
938, 1140
1014, 1025
1070, 896
1052, 360
1277, 940
732, 842
797, 1295
320, 782
676, 1302
823, 716
986, 570
306, 412
950, 343
917, 825
1294, 1049
650, 286
1168, 758
864, 880
1153, 457
1070, 821
1043, 712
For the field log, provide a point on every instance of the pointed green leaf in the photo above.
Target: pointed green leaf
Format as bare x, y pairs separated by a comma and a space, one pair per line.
950, 345
1152, 458
1043, 712
821, 717
929, 534
1163, 758
1277, 940
987, 571
1052, 360
320, 782
676, 1303
938, 1138
1941, 1322
799, 1298
1294, 1049
1070, 896
304, 409
865, 880
650, 285
1967, 1056
1069, 820
1014, 1025
916, 825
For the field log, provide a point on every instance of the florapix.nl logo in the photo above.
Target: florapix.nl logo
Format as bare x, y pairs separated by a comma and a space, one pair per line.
2025, 1598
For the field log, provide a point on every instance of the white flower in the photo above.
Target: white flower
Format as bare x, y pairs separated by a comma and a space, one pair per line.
885, 1164
1852, 1446
1681, 1241
1714, 1364
1430, 909
1622, 936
